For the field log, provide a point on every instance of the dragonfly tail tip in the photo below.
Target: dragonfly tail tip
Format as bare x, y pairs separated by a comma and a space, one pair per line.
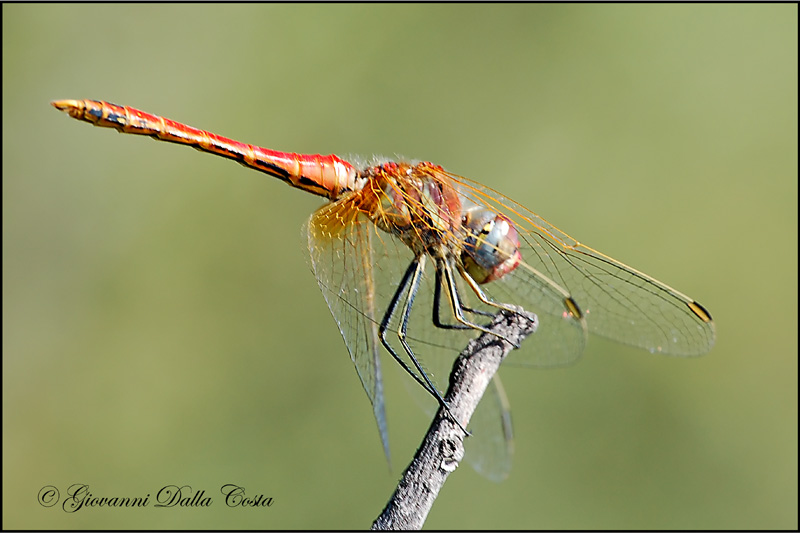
65, 105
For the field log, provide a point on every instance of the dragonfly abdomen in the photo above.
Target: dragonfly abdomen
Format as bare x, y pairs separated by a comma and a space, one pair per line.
323, 175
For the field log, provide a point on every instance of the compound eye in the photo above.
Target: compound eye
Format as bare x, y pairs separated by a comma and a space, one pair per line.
493, 251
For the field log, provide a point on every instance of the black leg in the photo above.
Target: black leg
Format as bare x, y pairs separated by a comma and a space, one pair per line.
387, 318
411, 279
456, 304
437, 302
401, 332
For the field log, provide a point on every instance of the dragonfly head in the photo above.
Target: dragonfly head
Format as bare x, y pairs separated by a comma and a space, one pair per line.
491, 245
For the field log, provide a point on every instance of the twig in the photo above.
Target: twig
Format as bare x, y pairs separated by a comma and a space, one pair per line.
443, 447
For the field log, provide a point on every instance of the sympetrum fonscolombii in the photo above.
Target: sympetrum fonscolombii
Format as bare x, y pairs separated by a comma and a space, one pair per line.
385, 221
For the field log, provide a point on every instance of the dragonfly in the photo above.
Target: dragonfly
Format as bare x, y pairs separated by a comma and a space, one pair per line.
412, 259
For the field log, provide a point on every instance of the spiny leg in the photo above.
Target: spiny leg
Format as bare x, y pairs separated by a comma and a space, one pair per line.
411, 279
437, 306
479, 292
437, 303
387, 318
455, 303
401, 334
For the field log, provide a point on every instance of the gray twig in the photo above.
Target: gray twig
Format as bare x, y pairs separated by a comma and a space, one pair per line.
443, 447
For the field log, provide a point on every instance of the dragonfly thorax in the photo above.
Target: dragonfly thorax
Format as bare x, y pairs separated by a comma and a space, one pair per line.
414, 203
491, 245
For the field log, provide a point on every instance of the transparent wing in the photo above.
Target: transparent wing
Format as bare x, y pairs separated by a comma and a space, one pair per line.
358, 269
341, 258
490, 448
617, 301
490, 445
572, 288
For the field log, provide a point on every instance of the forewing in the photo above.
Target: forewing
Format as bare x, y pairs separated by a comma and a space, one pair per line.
341, 257
617, 301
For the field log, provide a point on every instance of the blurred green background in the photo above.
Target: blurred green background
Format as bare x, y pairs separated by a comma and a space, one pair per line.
161, 325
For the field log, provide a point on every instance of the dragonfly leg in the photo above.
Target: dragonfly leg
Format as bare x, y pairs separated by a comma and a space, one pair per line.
455, 302
482, 295
437, 303
411, 280
570, 305
387, 318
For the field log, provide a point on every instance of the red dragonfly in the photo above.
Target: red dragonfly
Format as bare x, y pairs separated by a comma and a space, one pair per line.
372, 243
